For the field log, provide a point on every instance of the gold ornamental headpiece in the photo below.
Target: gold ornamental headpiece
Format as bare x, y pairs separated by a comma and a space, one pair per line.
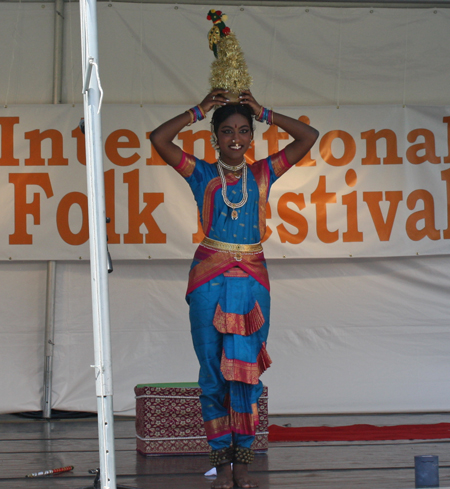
229, 69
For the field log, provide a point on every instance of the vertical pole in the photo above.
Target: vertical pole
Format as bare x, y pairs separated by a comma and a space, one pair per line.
98, 244
58, 50
51, 265
49, 338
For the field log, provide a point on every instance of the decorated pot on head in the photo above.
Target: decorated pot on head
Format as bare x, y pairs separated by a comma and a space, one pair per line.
229, 69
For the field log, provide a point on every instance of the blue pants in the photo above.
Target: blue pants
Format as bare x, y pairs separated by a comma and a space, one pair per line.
228, 406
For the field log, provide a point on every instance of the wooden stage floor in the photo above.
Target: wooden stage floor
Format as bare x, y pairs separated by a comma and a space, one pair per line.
28, 446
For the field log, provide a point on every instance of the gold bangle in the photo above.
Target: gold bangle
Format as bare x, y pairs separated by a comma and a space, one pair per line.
191, 115
260, 112
201, 110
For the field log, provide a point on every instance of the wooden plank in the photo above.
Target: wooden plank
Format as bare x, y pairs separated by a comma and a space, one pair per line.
390, 479
69, 429
33, 446
278, 460
61, 445
351, 419
357, 456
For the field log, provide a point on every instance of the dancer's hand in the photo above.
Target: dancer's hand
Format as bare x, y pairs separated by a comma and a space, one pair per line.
246, 98
217, 96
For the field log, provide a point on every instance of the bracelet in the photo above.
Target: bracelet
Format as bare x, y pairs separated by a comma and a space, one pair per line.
265, 115
191, 114
196, 114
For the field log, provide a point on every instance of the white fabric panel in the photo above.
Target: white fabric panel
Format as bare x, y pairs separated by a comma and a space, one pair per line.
149, 331
22, 326
158, 54
361, 335
26, 53
297, 55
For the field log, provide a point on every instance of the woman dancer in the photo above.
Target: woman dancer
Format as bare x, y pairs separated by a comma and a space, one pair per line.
228, 290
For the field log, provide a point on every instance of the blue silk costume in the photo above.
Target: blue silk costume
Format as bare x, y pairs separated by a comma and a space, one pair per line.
229, 299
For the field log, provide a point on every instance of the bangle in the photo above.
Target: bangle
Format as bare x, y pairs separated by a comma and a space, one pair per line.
191, 115
257, 117
196, 113
202, 112
265, 115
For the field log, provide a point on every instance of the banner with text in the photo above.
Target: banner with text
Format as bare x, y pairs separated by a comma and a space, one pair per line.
376, 183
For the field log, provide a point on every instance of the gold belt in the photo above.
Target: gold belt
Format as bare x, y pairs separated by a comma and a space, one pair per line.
237, 249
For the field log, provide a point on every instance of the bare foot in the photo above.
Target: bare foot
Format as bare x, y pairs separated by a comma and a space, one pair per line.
241, 478
224, 478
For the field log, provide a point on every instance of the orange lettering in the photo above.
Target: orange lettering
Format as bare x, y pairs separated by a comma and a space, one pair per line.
371, 138
36, 137
113, 143
426, 214
349, 148
62, 218
320, 197
293, 218
373, 199
136, 218
428, 146
352, 234
22, 208
7, 157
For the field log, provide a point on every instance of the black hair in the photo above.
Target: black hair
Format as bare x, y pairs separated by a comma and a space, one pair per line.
222, 113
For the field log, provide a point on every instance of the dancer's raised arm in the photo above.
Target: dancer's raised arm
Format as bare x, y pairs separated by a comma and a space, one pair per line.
163, 136
304, 135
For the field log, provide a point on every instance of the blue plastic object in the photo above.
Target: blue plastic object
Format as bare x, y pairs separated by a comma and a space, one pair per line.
426, 470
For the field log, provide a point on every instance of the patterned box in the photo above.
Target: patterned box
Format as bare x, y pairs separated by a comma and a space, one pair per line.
169, 420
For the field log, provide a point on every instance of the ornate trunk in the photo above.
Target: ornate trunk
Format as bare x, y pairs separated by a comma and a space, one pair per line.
169, 420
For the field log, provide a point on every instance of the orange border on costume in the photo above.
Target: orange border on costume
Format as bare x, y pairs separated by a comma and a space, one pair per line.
218, 427
208, 199
244, 423
212, 263
241, 324
246, 372
280, 164
186, 166
262, 176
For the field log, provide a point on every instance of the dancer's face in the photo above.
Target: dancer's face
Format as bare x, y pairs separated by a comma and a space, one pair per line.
234, 136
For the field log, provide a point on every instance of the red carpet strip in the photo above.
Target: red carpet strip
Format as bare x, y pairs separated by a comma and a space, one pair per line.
360, 432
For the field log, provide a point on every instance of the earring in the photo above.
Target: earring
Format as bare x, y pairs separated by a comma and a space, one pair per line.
214, 142
213, 139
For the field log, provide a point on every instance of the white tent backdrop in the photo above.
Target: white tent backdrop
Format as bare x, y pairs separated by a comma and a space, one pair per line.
348, 335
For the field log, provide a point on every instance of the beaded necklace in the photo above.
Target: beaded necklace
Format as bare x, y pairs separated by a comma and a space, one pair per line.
242, 166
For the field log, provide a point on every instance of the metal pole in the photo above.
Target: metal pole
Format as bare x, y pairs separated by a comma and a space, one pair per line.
98, 244
58, 50
51, 265
49, 338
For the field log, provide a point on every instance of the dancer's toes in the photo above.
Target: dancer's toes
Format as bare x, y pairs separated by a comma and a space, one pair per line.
224, 478
241, 477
